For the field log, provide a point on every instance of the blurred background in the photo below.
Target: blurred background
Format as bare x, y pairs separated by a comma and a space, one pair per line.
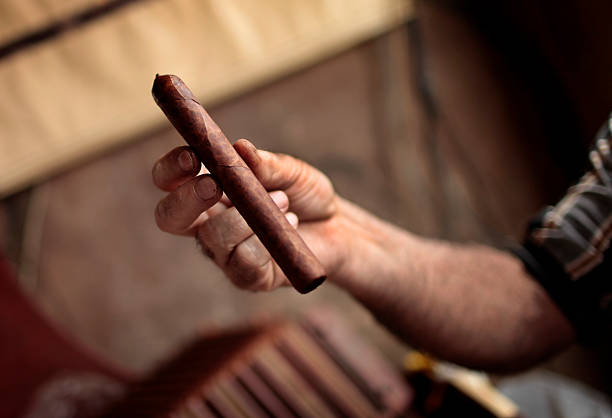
454, 119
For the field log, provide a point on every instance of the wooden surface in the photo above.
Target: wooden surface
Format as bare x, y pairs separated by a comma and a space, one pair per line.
85, 90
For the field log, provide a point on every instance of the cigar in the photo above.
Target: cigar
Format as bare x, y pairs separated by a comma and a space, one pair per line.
285, 245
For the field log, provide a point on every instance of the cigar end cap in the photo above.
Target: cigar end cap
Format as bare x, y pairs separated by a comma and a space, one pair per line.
312, 285
170, 87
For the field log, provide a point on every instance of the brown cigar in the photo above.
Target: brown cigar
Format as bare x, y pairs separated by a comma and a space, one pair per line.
290, 252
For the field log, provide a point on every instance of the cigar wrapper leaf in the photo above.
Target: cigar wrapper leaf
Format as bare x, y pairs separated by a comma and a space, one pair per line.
250, 198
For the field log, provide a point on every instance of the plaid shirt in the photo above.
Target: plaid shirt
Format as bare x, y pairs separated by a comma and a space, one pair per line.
567, 247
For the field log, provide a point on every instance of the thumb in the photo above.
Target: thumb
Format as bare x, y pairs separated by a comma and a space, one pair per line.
310, 192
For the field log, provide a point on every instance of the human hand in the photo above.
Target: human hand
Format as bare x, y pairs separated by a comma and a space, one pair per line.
196, 207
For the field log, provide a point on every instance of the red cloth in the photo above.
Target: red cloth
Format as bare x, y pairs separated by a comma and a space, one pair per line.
32, 350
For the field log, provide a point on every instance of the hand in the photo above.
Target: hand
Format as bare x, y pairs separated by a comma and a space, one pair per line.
458, 302
196, 207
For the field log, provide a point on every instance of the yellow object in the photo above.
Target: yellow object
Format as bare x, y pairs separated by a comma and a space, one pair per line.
415, 362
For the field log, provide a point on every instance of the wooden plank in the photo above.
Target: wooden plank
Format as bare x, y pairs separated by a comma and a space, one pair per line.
88, 90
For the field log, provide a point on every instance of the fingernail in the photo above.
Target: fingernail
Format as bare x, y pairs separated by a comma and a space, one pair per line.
280, 198
292, 219
185, 161
206, 188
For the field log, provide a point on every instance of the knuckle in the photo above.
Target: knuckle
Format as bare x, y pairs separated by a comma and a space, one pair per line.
287, 170
241, 278
210, 239
229, 229
265, 282
232, 223
206, 231
283, 158
263, 271
248, 275
206, 250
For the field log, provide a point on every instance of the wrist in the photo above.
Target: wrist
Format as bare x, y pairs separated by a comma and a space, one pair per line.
369, 251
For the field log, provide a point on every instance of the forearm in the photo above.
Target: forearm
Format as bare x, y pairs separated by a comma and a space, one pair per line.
470, 304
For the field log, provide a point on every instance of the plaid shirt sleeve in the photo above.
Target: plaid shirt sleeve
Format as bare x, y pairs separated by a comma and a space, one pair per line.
567, 247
